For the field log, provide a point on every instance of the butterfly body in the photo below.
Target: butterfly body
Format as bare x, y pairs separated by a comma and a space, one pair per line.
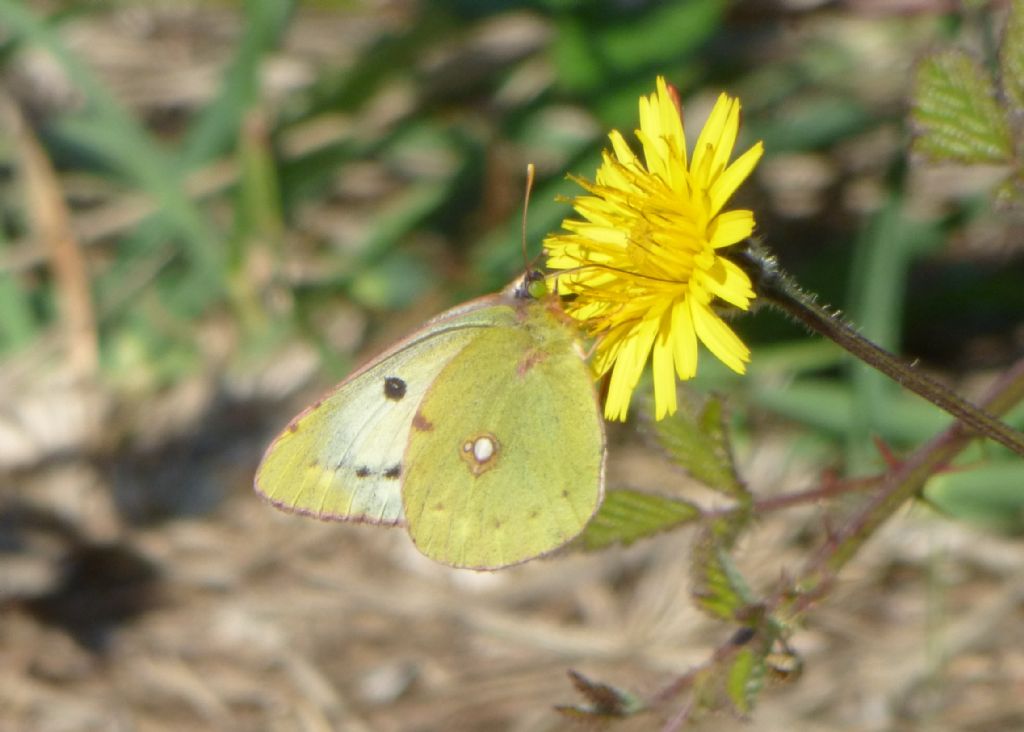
480, 432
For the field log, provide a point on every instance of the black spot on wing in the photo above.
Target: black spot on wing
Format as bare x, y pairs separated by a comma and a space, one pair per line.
362, 471
394, 472
394, 388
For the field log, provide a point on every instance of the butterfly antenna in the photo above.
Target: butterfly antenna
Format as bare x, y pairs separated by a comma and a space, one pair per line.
530, 174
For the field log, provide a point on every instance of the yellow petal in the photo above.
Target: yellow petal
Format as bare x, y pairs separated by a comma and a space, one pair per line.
629, 365
731, 178
684, 341
714, 145
656, 154
622, 150
719, 338
663, 372
616, 403
671, 119
731, 227
730, 283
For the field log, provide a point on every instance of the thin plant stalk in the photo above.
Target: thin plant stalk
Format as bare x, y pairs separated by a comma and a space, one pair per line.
777, 288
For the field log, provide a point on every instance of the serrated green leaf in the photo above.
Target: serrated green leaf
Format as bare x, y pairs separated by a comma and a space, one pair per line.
744, 679
696, 440
627, 515
1011, 57
718, 587
956, 113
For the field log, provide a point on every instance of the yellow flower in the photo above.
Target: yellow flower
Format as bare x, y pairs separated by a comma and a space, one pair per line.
644, 263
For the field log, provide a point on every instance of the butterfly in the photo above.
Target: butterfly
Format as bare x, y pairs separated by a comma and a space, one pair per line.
481, 433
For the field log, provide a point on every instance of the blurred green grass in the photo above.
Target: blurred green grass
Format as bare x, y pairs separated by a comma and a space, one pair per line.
392, 175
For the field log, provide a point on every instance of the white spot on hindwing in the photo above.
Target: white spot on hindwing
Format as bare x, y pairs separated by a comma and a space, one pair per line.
480, 452
483, 449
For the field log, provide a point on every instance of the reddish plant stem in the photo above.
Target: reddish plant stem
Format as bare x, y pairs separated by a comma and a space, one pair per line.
895, 489
797, 498
902, 484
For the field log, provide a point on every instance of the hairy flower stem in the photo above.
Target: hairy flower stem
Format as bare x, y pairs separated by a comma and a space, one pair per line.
776, 288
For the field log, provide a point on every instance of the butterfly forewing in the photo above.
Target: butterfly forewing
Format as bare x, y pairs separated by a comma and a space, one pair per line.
343, 457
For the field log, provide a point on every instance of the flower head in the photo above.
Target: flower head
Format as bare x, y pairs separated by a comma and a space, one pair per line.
644, 264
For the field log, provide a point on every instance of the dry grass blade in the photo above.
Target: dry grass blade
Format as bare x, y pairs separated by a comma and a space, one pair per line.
51, 224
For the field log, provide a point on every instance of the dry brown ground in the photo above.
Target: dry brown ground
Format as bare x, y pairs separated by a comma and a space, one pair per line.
251, 619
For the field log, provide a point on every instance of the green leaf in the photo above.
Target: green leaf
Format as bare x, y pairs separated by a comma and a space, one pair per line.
258, 226
601, 50
576, 62
696, 440
744, 679
657, 36
956, 113
1011, 57
258, 214
829, 408
991, 496
218, 124
812, 122
627, 515
718, 587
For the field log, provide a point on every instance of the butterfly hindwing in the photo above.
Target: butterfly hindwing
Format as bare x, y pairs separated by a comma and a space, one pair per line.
506, 451
343, 457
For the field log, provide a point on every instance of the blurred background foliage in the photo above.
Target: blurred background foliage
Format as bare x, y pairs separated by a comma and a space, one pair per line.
207, 207
360, 157
384, 161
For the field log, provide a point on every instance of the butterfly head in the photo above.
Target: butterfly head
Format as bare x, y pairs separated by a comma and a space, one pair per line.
531, 286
